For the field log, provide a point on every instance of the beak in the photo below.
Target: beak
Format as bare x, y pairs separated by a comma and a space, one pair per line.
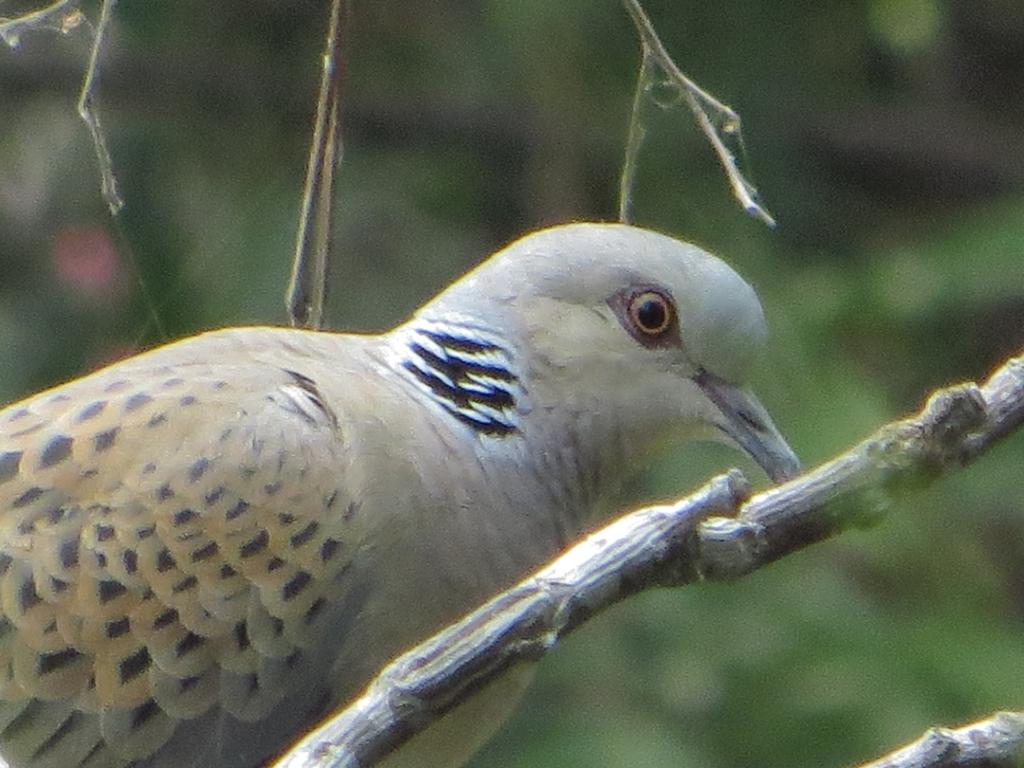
748, 424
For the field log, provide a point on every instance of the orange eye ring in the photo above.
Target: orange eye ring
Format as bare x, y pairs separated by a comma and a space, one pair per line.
651, 313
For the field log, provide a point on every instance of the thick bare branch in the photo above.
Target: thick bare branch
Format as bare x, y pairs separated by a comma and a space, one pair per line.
954, 427
519, 625
996, 742
709, 535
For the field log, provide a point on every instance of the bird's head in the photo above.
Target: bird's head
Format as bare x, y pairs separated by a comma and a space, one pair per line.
618, 332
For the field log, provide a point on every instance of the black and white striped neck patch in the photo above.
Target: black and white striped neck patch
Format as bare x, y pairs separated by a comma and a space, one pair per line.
467, 371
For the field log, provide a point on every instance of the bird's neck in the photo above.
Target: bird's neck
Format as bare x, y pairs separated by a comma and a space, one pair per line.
477, 381
466, 370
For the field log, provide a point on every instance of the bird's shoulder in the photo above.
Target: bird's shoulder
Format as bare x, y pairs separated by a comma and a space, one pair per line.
198, 420
169, 524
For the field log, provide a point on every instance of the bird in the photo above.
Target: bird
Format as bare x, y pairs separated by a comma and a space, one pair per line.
206, 547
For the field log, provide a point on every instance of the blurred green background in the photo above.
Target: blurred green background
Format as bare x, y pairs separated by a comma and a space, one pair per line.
887, 137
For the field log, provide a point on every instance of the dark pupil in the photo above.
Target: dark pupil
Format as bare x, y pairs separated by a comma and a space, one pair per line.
651, 315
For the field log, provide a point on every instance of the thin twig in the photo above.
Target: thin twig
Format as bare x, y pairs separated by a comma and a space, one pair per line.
717, 121
307, 289
62, 15
634, 140
88, 112
709, 535
65, 16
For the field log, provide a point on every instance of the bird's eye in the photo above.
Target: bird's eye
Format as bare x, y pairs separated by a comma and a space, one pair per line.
650, 313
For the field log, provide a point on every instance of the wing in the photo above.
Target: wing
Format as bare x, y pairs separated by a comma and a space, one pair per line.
171, 530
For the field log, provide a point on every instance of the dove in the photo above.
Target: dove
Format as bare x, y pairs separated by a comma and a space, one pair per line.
208, 546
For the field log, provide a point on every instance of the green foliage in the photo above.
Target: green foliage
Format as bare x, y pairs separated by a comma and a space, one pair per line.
886, 140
